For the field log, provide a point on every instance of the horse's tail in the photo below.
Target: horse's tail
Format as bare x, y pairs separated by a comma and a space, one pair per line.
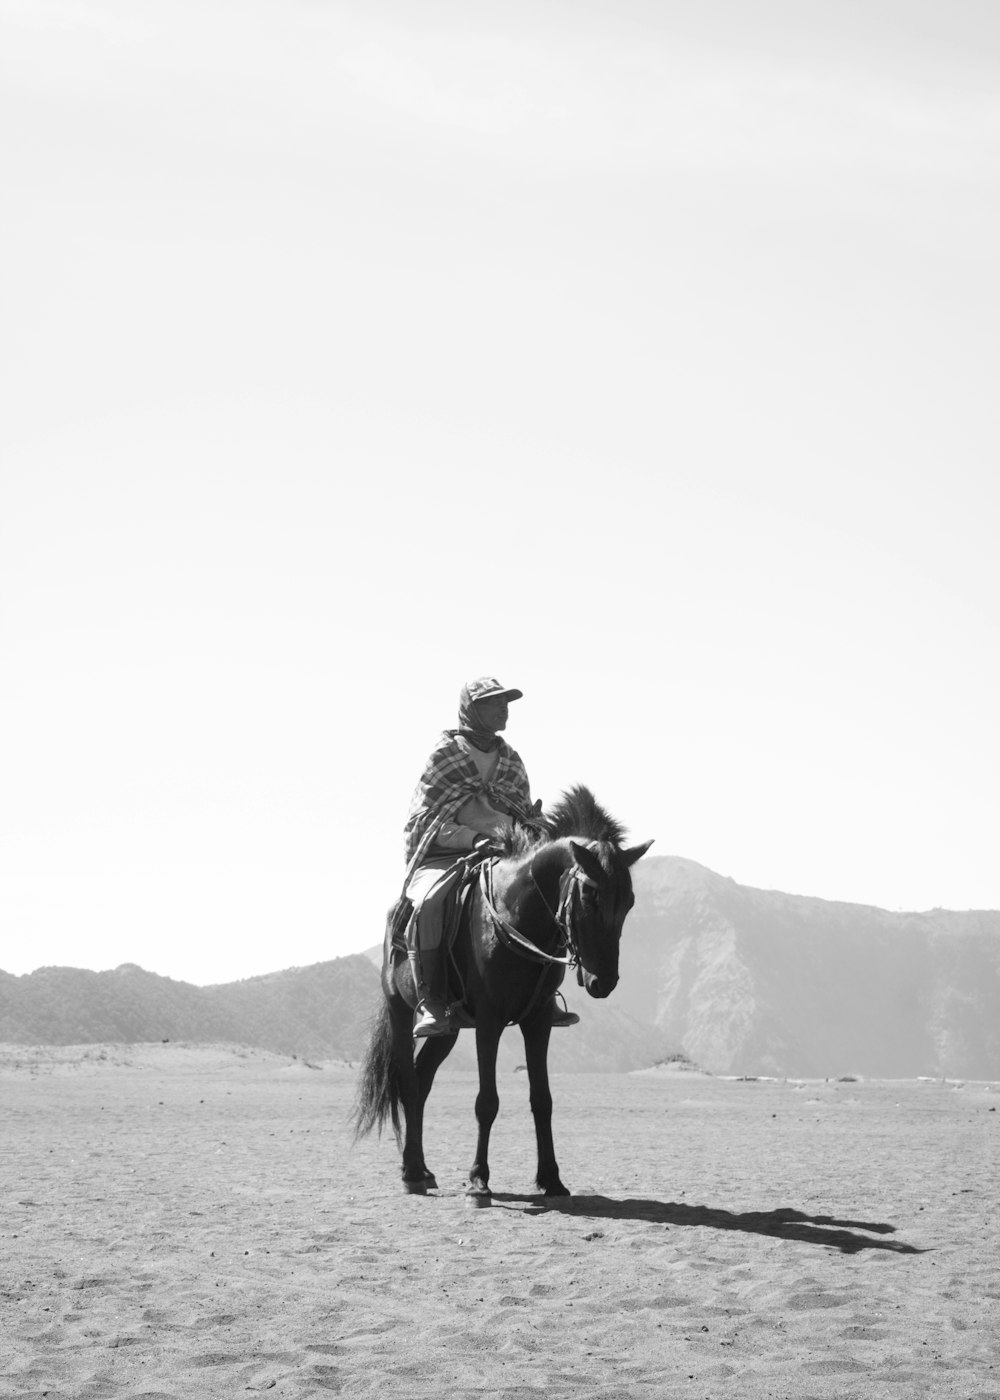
377, 1096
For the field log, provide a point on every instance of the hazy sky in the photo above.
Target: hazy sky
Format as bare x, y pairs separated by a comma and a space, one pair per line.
641, 353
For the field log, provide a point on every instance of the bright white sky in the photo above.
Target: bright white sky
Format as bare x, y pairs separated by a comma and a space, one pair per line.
642, 353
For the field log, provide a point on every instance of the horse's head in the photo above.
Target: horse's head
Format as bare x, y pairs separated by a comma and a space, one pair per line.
598, 897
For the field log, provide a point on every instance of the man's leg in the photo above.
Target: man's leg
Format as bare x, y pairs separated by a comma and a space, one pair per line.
426, 955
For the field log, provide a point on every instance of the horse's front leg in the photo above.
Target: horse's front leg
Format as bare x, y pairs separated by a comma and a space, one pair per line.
488, 1032
536, 1034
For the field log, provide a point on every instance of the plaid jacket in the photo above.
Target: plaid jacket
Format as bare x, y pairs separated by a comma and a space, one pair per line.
448, 780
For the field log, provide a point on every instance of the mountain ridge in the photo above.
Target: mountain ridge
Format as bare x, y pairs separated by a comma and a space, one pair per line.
761, 981
737, 978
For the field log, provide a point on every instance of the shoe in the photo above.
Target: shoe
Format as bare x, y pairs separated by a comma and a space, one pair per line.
432, 1018
431, 1015
562, 1016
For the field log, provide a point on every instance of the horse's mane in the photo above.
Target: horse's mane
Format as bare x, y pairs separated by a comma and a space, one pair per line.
518, 840
578, 813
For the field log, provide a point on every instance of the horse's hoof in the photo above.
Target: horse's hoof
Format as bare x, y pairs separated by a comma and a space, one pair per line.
416, 1188
430, 1181
478, 1199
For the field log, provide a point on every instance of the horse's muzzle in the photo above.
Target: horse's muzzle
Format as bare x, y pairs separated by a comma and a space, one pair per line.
599, 987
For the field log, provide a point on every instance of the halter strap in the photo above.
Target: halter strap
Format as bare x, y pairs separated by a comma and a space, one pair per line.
514, 939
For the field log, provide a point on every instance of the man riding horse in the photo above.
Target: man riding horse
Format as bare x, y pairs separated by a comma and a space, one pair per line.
473, 787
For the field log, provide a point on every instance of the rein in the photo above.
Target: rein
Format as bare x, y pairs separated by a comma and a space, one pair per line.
562, 916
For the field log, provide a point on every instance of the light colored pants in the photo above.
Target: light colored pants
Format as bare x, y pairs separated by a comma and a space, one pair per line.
428, 890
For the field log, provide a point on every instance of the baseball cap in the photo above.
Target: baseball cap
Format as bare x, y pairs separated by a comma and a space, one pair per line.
488, 687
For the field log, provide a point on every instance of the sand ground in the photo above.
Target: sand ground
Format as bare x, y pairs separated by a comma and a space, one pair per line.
183, 1221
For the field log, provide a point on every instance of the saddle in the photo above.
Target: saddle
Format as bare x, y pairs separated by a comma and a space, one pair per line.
452, 889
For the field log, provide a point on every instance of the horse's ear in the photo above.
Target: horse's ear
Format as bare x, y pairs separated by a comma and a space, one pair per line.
635, 853
587, 861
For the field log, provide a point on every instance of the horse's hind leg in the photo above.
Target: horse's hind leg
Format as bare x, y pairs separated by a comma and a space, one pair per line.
433, 1052
416, 1178
536, 1051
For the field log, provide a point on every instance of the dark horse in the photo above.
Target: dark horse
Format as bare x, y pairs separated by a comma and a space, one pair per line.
547, 903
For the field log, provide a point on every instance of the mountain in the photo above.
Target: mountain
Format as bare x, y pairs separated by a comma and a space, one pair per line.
317, 1012
320, 1011
758, 982
741, 980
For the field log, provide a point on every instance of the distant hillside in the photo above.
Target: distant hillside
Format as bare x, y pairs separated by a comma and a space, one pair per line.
319, 1011
758, 982
744, 981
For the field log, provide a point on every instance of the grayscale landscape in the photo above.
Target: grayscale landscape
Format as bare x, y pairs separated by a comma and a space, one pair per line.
734, 979
631, 366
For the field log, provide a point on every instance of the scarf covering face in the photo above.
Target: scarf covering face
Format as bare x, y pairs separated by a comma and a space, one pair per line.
471, 726
449, 778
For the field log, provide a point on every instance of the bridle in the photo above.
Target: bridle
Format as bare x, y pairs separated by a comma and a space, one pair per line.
565, 916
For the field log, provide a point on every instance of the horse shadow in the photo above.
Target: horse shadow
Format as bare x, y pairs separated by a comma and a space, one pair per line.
784, 1223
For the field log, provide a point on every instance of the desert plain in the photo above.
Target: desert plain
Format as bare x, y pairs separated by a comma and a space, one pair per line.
196, 1221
